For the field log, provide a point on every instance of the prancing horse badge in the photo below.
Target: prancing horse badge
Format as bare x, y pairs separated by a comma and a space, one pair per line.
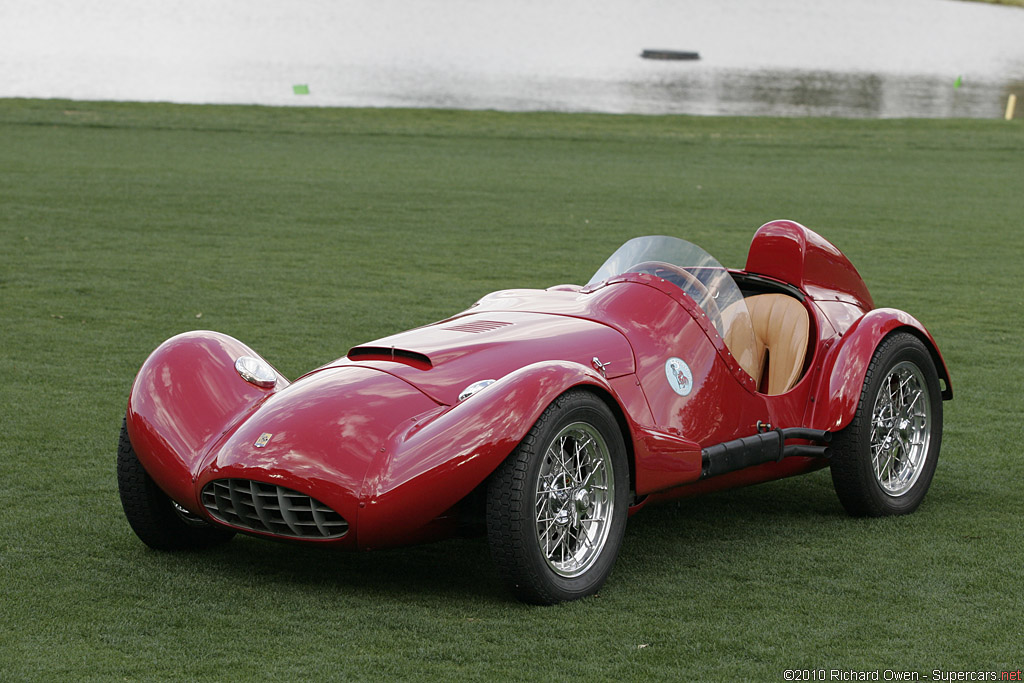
262, 441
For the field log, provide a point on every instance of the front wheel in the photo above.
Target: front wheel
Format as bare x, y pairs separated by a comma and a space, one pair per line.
158, 521
883, 461
556, 508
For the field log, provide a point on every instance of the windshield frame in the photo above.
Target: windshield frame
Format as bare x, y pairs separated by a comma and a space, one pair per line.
679, 254
681, 263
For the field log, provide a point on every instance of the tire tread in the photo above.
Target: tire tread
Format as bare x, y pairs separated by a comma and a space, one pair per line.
856, 487
150, 512
510, 533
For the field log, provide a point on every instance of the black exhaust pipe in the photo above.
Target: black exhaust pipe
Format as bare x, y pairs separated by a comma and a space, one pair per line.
766, 446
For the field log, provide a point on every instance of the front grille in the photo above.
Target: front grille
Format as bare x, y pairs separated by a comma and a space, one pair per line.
271, 509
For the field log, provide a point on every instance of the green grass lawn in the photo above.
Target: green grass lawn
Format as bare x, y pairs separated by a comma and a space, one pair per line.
305, 231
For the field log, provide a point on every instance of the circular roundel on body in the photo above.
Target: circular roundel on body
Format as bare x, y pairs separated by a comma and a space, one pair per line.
679, 376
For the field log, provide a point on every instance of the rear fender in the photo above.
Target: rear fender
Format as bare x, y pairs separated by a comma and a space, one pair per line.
433, 465
846, 364
185, 397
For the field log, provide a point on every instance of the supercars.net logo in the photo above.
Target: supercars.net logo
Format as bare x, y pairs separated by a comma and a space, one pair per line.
893, 675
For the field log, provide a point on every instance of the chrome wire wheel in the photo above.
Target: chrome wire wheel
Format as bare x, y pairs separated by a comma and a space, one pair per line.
575, 499
556, 508
900, 429
883, 461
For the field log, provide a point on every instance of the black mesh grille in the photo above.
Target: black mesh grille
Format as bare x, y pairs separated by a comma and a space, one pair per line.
271, 509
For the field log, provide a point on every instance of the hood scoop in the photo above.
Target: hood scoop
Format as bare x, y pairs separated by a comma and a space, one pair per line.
413, 359
461, 351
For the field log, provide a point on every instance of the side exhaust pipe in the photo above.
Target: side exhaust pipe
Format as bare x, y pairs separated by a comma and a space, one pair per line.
767, 446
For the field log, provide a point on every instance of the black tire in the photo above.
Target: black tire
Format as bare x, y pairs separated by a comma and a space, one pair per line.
533, 496
899, 415
151, 513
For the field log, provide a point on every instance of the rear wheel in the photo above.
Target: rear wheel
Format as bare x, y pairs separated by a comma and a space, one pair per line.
883, 462
157, 520
556, 508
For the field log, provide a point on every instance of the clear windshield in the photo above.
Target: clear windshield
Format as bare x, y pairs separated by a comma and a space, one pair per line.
694, 271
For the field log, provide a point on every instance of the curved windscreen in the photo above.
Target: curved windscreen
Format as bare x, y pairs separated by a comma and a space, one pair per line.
694, 271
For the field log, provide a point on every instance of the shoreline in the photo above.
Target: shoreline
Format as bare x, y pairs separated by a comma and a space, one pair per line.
1006, 3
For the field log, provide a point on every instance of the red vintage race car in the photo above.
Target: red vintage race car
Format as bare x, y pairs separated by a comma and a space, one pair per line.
545, 417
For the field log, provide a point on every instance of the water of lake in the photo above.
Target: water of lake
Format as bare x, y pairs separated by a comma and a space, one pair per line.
855, 58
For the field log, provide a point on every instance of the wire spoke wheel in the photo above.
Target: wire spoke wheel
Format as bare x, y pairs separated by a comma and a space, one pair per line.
556, 508
575, 499
883, 461
901, 429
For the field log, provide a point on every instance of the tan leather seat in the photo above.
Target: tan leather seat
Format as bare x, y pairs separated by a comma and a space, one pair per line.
781, 327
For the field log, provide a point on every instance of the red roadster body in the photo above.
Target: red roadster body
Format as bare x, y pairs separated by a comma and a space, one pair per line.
549, 413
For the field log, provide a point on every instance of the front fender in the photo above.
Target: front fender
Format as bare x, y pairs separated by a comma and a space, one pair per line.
185, 396
432, 466
846, 365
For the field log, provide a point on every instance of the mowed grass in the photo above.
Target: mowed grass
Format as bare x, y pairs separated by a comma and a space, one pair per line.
305, 231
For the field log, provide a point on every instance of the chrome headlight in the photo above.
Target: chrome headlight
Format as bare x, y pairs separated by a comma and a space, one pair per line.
475, 387
256, 371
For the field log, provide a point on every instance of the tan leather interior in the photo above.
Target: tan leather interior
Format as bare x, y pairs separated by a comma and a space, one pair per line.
781, 328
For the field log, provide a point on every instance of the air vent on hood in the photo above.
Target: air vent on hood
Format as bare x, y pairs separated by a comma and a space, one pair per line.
476, 326
411, 358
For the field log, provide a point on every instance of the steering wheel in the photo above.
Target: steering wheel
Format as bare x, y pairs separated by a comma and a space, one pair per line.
687, 282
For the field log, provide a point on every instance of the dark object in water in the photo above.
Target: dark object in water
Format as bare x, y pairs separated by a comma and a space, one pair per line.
669, 54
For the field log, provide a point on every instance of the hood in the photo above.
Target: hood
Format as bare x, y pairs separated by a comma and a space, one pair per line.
319, 436
444, 358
